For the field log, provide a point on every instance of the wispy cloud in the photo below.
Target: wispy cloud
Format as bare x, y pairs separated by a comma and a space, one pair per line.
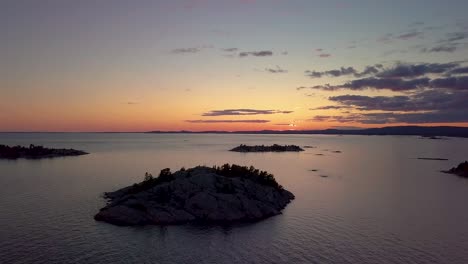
410, 35
185, 50
230, 49
331, 107
286, 124
324, 55
449, 47
243, 112
276, 70
205, 121
450, 43
262, 53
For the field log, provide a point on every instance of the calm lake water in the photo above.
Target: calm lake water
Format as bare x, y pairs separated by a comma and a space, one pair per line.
378, 203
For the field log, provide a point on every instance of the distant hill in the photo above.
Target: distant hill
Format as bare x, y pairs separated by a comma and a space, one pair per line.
435, 131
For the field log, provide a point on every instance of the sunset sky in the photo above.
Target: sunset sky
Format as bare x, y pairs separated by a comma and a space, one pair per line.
231, 64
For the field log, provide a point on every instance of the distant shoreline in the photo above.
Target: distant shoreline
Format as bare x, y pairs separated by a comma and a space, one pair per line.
433, 131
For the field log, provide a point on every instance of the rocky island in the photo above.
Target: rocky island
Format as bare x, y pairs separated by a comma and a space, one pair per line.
230, 193
461, 170
263, 148
36, 152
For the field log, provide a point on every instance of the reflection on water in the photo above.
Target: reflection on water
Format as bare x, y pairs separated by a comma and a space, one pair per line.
378, 203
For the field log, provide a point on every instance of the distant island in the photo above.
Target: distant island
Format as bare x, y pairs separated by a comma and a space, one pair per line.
229, 193
461, 170
262, 148
426, 131
36, 152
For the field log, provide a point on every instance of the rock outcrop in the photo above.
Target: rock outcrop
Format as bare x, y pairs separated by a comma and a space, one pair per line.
36, 152
262, 148
461, 170
200, 194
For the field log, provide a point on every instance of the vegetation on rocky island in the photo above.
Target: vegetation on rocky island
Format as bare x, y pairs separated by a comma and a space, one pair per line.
263, 148
36, 152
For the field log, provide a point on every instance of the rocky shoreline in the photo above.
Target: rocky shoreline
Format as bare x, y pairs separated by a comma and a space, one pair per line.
36, 152
201, 194
461, 170
262, 148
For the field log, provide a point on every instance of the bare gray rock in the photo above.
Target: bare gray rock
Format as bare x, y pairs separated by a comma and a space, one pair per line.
201, 194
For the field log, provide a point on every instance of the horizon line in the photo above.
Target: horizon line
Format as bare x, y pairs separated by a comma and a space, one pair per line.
236, 131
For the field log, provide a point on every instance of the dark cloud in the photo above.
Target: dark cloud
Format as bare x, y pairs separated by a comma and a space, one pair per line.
340, 119
242, 112
204, 121
185, 50
416, 70
369, 70
388, 118
393, 84
333, 73
276, 70
343, 71
401, 77
455, 83
262, 53
324, 55
461, 70
432, 106
431, 100
384, 103
416, 118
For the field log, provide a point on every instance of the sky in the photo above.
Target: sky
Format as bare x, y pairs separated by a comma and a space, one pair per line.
117, 65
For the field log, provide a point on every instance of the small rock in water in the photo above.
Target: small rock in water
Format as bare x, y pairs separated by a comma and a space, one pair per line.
432, 159
461, 170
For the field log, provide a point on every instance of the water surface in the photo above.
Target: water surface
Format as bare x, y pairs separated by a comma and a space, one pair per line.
378, 203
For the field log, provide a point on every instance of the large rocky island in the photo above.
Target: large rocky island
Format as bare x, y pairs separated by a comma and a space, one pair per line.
201, 194
36, 152
461, 170
262, 148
